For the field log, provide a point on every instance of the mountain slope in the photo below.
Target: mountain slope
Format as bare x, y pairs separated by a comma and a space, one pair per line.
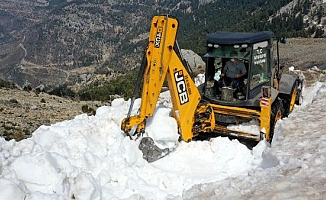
70, 42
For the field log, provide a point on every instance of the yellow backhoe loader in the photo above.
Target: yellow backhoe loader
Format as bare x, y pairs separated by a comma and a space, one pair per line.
263, 94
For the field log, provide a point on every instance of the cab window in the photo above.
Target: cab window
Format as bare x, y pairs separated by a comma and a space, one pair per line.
259, 64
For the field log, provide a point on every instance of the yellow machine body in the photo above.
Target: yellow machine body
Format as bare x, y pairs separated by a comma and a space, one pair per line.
194, 116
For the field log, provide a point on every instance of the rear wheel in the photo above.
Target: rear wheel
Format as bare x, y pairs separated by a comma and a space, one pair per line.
299, 98
277, 110
290, 100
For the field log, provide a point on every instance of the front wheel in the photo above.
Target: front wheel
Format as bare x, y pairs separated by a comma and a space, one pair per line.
276, 114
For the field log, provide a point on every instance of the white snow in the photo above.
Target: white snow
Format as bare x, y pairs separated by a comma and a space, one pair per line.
295, 166
251, 127
89, 157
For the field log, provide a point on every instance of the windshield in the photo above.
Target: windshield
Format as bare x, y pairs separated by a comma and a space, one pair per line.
226, 71
259, 64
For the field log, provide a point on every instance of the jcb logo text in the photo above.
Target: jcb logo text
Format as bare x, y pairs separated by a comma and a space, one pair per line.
181, 87
158, 37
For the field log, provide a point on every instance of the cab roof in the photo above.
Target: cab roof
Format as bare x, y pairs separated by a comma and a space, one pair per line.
231, 38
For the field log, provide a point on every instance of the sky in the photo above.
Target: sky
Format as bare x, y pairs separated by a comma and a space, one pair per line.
89, 157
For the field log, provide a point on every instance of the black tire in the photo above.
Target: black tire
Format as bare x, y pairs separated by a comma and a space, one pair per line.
276, 114
290, 100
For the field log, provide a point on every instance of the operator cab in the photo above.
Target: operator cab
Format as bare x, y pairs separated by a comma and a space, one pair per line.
254, 50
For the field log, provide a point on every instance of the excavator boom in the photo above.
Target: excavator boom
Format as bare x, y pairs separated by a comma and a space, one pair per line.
163, 63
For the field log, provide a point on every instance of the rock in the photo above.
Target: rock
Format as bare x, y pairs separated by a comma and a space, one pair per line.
13, 101
195, 62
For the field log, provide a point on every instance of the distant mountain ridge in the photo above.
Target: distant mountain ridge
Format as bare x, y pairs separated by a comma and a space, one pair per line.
57, 42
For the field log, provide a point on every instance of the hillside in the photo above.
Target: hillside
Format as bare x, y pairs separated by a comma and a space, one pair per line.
56, 42
305, 54
22, 112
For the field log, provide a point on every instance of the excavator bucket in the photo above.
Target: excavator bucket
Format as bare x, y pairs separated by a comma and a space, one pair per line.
151, 152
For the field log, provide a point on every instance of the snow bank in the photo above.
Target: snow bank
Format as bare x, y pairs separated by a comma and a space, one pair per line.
89, 157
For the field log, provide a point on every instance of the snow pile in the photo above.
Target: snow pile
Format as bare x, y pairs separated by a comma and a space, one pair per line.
251, 127
89, 157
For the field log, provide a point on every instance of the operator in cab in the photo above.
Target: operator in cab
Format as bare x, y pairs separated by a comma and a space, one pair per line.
232, 73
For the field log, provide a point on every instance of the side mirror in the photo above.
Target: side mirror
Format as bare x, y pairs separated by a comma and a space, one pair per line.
282, 40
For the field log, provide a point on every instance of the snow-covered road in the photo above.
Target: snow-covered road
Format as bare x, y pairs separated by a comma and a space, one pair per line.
295, 166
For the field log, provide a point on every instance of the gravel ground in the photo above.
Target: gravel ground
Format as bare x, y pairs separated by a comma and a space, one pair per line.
307, 55
22, 112
303, 53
